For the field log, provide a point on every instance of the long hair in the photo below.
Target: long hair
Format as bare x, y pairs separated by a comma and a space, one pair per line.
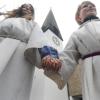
18, 12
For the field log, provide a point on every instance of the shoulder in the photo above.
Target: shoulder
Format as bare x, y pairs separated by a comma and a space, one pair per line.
34, 22
89, 22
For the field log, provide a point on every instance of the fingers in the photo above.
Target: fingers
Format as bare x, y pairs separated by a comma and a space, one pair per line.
45, 61
52, 64
57, 65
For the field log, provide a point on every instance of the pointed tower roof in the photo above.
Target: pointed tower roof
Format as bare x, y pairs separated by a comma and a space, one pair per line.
50, 23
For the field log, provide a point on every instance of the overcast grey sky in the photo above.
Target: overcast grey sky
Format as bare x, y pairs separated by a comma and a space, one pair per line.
64, 11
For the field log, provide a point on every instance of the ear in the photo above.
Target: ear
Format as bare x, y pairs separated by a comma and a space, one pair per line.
78, 19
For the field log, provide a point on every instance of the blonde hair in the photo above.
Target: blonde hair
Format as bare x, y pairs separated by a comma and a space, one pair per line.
78, 11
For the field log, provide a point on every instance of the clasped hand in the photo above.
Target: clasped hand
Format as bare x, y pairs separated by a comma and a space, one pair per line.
51, 64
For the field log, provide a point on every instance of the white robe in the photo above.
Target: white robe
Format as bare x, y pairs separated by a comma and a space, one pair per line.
82, 42
18, 56
16, 73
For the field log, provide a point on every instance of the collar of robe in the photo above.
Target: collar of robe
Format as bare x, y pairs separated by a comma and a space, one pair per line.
90, 18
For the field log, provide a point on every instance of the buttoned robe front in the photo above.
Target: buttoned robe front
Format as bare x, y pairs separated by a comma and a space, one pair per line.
85, 40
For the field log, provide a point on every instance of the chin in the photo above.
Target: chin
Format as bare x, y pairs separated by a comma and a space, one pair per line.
92, 14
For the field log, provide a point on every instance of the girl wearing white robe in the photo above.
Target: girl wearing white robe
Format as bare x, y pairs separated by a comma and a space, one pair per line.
83, 44
16, 37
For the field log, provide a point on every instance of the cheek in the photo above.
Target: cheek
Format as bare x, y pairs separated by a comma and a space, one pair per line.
83, 13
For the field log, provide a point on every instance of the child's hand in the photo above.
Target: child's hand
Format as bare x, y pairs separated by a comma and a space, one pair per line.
51, 64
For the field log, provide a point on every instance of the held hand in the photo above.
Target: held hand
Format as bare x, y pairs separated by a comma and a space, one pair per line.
51, 64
